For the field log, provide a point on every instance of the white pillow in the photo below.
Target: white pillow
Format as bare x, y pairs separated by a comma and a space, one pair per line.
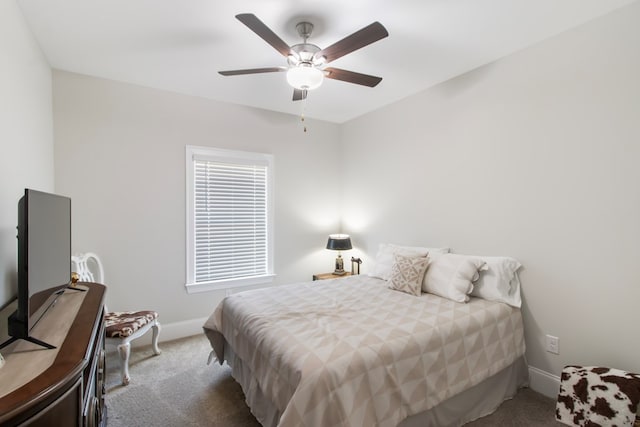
500, 282
451, 276
386, 251
407, 273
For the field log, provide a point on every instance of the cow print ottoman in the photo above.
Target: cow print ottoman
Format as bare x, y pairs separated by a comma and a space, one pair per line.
593, 396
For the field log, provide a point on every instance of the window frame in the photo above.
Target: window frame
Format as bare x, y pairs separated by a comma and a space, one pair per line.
232, 157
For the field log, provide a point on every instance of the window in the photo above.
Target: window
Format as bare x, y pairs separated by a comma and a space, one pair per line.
229, 220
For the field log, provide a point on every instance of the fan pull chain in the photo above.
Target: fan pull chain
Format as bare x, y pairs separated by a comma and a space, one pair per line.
304, 105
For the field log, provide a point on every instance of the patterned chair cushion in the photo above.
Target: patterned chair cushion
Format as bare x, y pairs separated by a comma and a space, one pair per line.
596, 396
126, 323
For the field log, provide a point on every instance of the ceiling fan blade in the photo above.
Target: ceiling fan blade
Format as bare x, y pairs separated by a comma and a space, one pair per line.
299, 94
252, 71
351, 77
258, 27
366, 36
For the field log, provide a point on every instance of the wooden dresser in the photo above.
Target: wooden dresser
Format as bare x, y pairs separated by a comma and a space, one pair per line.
63, 386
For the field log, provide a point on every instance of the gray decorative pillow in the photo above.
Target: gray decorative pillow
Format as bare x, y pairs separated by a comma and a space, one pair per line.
407, 273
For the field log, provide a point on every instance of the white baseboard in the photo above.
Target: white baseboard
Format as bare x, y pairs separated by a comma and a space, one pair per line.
173, 331
543, 382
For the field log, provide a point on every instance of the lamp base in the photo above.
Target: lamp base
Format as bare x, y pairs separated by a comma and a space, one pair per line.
339, 270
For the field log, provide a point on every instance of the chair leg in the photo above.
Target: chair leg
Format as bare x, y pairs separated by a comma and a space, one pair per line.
124, 350
154, 340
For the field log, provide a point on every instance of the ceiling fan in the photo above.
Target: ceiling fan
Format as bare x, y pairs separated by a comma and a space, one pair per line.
305, 60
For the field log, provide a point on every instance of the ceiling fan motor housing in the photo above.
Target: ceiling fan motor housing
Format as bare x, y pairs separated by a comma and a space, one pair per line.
303, 53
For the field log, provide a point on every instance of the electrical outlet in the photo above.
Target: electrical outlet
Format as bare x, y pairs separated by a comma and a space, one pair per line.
553, 344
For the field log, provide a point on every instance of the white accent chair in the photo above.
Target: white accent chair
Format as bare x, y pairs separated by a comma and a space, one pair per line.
120, 327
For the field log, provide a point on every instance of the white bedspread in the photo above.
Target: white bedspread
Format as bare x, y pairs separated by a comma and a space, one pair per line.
351, 352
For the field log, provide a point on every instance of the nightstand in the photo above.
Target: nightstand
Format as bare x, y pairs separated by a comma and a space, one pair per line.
324, 276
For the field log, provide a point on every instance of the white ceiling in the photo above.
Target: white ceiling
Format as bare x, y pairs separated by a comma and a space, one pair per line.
180, 45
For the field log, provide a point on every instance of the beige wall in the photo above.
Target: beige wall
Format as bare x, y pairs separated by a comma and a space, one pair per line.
26, 139
120, 155
534, 156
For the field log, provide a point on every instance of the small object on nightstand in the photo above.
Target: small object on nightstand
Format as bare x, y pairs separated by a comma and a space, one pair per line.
325, 276
355, 265
1, 360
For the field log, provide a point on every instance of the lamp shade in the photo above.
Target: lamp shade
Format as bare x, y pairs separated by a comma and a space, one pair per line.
339, 242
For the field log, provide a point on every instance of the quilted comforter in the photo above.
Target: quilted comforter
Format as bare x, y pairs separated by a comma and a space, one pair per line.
352, 352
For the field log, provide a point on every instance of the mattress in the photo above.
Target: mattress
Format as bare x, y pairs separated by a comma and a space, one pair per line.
352, 352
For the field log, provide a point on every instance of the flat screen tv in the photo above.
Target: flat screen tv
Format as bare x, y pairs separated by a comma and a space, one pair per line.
44, 259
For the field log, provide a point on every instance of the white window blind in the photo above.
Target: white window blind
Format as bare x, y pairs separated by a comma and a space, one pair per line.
230, 220
230, 217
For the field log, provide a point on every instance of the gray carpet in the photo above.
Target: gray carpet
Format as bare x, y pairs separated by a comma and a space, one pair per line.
177, 388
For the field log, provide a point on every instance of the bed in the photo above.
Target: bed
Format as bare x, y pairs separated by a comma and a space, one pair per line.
353, 352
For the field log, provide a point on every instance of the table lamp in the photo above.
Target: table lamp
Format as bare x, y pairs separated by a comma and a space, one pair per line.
339, 242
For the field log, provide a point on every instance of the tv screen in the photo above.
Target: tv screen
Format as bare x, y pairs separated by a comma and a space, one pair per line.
44, 259
47, 266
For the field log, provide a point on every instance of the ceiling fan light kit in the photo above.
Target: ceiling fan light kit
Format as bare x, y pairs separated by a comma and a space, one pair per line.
305, 77
306, 60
